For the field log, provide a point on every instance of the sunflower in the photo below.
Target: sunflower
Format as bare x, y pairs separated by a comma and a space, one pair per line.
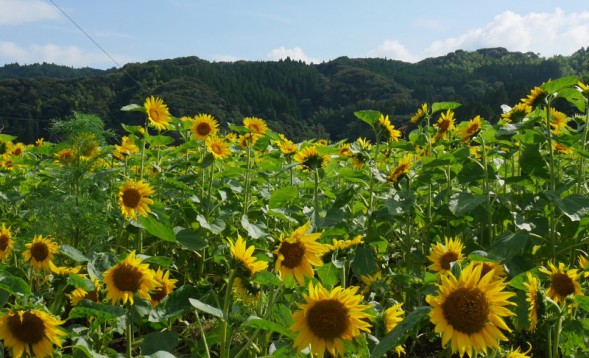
393, 316
79, 294
7, 162
346, 244
17, 149
517, 113
421, 112
6, 243
370, 281
519, 354
536, 96
32, 332
127, 278
559, 148
388, 129
475, 151
157, 112
65, 156
328, 318
558, 121
344, 151
126, 148
584, 265
166, 285
497, 267
247, 290
246, 140
469, 311
203, 126
286, 146
310, 159
442, 255
401, 169
40, 252
473, 127
247, 264
532, 298
257, 126
564, 282
133, 197
444, 125
217, 147
39, 142
297, 254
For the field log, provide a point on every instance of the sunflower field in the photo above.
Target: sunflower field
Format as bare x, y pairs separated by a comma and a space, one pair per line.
190, 239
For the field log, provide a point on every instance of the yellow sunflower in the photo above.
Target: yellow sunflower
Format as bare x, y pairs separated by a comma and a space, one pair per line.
444, 125
535, 97
310, 159
157, 112
469, 311
531, 286
346, 244
247, 139
79, 294
127, 278
217, 147
563, 282
322, 142
203, 126
17, 149
497, 267
401, 169
126, 148
559, 148
166, 285
584, 265
297, 254
442, 255
257, 126
344, 151
517, 113
6, 243
558, 121
370, 280
421, 112
133, 197
32, 332
65, 156
286, 146
40, 252
392, 317
388, 129
328, 318
473, 127
248, 264
247, 290
519, 354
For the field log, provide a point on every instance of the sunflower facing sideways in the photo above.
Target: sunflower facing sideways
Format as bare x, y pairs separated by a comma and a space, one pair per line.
165, 286
127, 278
474, 126
327, 318
6, 243
468, 311
247, 265
387, 129
442, 255
31, 331
203, 126
392, 317
563, 282
133, 197
298, 253
531, 286
401, 169
310, 159
40, 252
157, 113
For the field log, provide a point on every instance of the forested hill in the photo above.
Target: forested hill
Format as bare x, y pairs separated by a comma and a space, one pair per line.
298, 99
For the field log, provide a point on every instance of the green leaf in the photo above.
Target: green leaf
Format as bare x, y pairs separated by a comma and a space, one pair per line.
216, 227
574, 206
266, 278
191, 240
253, 230
160, 228
463, 203
14, 285
483, 256
280, 197
470, 172
518, 281
574, 97
73, 253
259, 323
174, 304
160, 354
162, 261
442, 106
81, 282
159, 341
409, 325
583, 302
201, 306
510, 244
364, 261
328, 274
131, 129
559, 84
133, 108
368, 116
532, 163
160, 140
87, 308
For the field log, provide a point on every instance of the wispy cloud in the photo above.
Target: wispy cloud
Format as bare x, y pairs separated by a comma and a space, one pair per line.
15, 12
395, 50
295, 53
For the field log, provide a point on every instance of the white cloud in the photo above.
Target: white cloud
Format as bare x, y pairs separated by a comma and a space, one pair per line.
226, 58
61, 55
545, 33
14, 12
294, 54
393, 49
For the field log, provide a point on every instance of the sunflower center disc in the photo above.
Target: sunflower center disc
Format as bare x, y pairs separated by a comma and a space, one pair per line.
485, 270
216, 149
127, 278
131, 198
39, 251
447, 259
293, 254
562, 284
30, 330
154, 114
4, 239
328, 319
203, 129
466, 309
158, 294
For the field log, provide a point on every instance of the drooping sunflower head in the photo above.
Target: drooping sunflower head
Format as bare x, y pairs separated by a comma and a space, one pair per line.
244, 262
401, 169
558, 121
39, 253
127, 147
257, 126
203, 126
129, 278
536, 96
393, 316
310, 159
444, 125
134, 198
6, 243
534, 300
563, 282
298, 253
327, 318
344, 151
443, 255
31, 331
217, 147
421, 112
387, 129
166, 285
247, 290
469, 311
517, 113
157, 113
473, 127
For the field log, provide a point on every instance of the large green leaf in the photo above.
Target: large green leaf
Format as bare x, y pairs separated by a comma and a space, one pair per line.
559, 84
574, 97
201, 306
160, 140
463, 203
253, 230
532, 163
159, 341
364, 261
368, 116
267, 278
87, 308
157, 227
328, 274
191, 240
281, 196
574, 206
583, 302
442, 106
409, 326
14, 285
216, 227
510, 244
174, 304
259, 323
72, 253
133, 108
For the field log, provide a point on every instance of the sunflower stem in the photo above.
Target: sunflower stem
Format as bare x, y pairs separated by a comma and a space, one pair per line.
487, 192
129, 333
552, 206
225, 322
203, 335
315, 197
557, 331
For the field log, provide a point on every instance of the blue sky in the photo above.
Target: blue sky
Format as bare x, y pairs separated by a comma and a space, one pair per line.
310, 30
